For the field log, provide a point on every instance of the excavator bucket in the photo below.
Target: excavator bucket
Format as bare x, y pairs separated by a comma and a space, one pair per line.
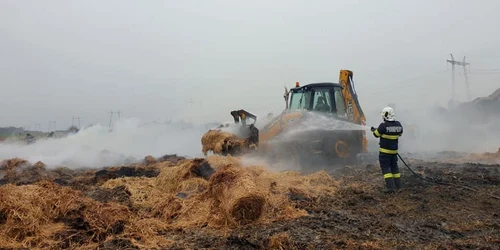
243, 116
243, 140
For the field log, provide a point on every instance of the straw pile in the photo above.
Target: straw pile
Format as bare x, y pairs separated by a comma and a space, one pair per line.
43, 215
22, 172
10, 165
216, 192
219, 192
220, 142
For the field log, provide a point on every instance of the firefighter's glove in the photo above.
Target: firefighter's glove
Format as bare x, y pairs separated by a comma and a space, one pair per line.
372, 129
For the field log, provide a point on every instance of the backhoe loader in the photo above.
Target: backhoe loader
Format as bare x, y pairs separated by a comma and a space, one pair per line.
292, 136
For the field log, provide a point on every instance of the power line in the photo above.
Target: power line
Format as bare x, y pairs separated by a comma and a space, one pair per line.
408, 81
460, 63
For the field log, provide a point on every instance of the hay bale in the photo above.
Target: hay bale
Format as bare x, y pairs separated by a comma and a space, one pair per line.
248, 208
39, 164
236, 199
149, 160
220, 142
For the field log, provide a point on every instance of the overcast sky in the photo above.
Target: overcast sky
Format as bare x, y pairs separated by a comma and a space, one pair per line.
60, 59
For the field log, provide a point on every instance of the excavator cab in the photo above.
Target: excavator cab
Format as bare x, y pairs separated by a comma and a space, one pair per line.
326, 98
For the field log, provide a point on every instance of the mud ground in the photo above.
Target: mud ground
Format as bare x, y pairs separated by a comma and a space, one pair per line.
460, 213
422, 216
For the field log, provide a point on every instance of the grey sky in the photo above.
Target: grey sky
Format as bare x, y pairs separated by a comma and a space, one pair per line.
60, 59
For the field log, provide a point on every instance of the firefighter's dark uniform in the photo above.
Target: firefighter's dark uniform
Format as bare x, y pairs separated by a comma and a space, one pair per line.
389, 133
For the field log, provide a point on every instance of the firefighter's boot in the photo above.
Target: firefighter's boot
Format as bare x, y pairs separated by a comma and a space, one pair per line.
390, 186
397, 183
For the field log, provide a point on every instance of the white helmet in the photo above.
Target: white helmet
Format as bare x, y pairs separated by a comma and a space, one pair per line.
388, 114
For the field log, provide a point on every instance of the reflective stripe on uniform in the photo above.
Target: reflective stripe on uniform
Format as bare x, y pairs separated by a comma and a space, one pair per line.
376, 133
390, 137
398, 175
388, 151
389, 175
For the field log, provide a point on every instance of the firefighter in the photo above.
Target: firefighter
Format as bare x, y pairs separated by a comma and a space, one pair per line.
389, 132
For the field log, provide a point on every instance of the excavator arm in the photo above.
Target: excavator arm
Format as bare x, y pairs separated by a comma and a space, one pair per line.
354, 111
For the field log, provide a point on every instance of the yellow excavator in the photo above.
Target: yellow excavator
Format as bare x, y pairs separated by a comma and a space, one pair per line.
323, 120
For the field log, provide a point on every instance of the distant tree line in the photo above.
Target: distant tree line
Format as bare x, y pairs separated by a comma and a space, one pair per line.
7, 131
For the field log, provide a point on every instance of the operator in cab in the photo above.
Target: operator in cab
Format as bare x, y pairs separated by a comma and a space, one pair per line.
389, 132
321, 105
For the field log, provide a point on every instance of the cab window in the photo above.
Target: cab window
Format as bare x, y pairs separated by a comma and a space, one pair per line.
322, 100
300, 99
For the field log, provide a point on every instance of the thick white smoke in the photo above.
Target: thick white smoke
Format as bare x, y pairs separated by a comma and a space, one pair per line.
97, 146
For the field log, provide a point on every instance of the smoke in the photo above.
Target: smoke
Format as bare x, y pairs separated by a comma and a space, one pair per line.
432, 129
129, 141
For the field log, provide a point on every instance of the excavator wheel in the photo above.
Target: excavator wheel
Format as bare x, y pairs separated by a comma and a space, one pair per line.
343, 148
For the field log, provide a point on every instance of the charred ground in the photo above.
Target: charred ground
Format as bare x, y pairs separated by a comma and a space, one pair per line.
113, 208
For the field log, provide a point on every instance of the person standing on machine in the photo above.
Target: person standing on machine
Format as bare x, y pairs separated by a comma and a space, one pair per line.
389, 132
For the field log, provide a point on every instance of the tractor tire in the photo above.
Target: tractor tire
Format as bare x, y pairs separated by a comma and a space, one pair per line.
343, 148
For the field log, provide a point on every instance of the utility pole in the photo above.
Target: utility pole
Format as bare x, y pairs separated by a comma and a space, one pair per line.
466, 78
464, 65
111, 116
73, 121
